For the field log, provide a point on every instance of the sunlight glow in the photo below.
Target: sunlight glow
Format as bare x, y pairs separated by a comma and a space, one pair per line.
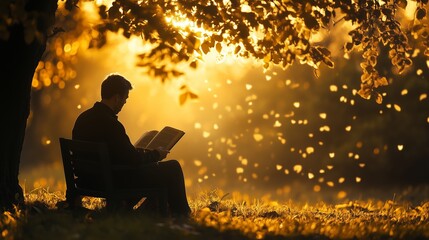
184, 24
234, 120
410, 10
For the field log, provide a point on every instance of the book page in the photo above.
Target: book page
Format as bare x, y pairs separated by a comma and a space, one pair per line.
144, 140
166, 138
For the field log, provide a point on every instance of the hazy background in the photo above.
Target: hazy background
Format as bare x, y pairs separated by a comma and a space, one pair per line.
281, 133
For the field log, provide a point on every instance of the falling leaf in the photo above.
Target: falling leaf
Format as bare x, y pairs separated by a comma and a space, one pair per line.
379, 98
316, 188
182, 98
297, 168
193, 95
397, 107
258, 137
296, 104
342, 194
193, 64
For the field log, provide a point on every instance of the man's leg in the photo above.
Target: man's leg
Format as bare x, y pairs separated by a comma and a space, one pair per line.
169, 175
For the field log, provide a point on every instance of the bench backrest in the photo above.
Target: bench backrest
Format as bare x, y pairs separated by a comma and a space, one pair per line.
87, 168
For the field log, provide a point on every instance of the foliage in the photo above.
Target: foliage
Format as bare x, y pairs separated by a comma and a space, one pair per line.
238, 218
274, 32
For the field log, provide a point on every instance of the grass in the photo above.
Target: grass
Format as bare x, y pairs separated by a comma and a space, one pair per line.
216, 215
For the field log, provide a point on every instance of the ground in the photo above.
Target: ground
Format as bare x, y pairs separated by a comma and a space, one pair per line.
216, 215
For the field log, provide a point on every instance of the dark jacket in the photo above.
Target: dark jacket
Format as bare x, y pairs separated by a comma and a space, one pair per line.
100, 124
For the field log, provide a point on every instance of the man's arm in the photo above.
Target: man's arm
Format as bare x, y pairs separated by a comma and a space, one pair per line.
149, 156
162, 153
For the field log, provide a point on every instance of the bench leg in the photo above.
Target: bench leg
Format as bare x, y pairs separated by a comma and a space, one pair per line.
73, 200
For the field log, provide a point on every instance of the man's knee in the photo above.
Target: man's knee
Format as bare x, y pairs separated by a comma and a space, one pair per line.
173, 165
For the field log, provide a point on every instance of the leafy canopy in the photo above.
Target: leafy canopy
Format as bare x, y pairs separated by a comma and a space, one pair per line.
277, 32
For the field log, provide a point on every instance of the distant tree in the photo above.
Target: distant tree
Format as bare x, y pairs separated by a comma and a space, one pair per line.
37, 46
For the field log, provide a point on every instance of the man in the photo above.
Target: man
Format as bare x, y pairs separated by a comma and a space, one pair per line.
100, 124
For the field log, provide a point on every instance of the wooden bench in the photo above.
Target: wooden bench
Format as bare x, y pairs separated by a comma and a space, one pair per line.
89, 161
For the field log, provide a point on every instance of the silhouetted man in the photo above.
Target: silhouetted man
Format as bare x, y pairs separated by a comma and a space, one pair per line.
100, 124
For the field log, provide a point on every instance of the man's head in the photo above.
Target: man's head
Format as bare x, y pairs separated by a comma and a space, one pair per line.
114, 91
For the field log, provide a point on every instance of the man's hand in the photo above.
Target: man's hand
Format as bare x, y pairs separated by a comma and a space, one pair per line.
162, 153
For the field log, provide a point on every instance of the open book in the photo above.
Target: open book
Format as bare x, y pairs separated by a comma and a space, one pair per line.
166, 138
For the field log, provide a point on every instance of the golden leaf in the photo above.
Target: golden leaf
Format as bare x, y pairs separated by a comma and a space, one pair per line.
237, 49
364, 93
205, 47
193, 64
197, 43
193, 95
183, 97
381, 82
218, 47
316, 72
378, 98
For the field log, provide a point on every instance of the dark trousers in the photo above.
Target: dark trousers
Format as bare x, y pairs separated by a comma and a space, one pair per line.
166, 174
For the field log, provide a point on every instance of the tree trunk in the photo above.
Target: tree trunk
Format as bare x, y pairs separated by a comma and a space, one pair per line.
17, 66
